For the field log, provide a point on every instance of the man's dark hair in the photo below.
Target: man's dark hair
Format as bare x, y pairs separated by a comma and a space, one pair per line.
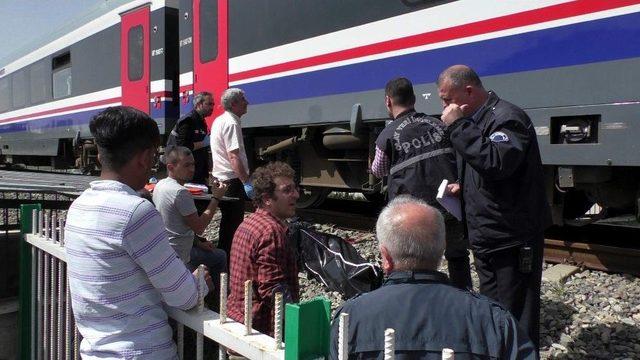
264, 180
400, 90
121, 132
173, 154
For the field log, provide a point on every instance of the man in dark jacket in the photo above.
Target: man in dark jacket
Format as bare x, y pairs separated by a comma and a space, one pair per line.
415, 152
427, 314
191, 132
502, 189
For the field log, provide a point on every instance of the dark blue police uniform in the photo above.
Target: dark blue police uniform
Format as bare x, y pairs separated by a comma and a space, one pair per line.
505, 206
189, 129
428, 315
421, 156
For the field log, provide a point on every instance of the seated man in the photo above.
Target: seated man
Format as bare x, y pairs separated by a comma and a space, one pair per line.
426, 312
121, 267
178, 210
260, 251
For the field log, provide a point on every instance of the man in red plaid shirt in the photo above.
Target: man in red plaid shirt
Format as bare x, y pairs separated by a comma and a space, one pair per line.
260, 251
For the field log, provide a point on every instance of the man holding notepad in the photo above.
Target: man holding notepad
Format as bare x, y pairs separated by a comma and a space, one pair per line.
415, 152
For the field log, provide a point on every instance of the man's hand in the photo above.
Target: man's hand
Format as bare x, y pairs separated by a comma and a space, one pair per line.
453, 112
218, 188
453, 190
207, 278
205, 245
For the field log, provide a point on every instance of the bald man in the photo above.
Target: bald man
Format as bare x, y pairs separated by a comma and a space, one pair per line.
502, 189
417, 301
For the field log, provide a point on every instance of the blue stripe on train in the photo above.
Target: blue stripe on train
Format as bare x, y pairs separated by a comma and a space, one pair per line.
594, 41
75, 119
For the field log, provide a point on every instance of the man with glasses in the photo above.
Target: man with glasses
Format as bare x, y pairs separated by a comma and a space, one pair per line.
260, 250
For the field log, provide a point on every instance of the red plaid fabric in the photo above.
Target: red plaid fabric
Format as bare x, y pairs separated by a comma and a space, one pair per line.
259, 253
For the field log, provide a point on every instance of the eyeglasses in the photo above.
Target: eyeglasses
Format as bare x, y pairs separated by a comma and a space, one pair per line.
290, 189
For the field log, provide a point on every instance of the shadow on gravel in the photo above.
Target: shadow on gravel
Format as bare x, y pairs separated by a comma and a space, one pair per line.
614, 341
555, 316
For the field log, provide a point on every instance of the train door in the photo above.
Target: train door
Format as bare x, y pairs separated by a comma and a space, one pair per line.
210, 49
134, 63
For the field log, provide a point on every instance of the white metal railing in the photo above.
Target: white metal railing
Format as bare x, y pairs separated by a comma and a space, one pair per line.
55, 336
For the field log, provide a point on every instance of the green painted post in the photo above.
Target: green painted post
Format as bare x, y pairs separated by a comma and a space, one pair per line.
24, 290
307, 330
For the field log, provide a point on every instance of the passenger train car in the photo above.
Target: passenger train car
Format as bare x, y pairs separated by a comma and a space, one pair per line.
47, 97
314, 73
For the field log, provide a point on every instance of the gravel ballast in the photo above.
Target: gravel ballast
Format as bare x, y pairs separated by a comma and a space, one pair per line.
593, 315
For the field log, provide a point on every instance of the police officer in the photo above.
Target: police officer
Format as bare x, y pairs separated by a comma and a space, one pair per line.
191, 132
416, 300
415, 152
502, 190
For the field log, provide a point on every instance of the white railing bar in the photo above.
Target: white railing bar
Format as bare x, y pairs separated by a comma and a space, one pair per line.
45, 302
277, 327
60, 334
34, 222
54, 227
41, 222
248, 307
389, 344
47, 226
34, 294
61, 226
48, 247
223, 297
448, 354
343, 337
76, 342
202, 285
40, 318
53, 341
67, 323
231, 334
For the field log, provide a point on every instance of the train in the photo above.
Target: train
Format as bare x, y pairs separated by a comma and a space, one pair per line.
314, 73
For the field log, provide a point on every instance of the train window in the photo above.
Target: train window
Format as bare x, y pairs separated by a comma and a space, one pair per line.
136, 53
19, 87
39, 82
5, 94
61, 76
208, 30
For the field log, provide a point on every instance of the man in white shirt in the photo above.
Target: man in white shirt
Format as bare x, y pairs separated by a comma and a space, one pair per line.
230, 163
178, 210
121, 267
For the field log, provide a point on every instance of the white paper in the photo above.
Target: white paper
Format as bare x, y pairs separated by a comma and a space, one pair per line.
449, 202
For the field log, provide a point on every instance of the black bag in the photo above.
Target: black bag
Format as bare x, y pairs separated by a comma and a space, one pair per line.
334, 262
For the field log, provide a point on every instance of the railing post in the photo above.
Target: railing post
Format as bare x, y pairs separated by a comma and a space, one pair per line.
389, 344
26, 277
277, 327
307, 329
448, 354
343, 337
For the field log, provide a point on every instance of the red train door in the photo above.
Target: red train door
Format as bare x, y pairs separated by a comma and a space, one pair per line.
134, 61
210, 50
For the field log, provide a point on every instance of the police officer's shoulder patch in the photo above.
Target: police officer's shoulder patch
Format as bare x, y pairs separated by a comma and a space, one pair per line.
498, 137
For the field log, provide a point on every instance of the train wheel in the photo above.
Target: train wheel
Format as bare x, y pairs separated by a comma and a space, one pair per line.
312, 197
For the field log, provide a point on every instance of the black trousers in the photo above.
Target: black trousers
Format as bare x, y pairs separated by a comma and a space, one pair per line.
232, 214
502, 280
457, 254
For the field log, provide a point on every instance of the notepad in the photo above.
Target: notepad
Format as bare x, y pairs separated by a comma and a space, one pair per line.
449, 202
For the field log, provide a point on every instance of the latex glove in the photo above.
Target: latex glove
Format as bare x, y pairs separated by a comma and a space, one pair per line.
248, 189
206, 141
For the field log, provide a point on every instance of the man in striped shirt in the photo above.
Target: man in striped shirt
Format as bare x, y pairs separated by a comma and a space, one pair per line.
121, 267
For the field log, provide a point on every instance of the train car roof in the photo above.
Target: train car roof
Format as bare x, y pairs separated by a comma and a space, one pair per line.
8, 63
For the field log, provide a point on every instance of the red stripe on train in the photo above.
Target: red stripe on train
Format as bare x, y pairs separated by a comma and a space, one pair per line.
530, 17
